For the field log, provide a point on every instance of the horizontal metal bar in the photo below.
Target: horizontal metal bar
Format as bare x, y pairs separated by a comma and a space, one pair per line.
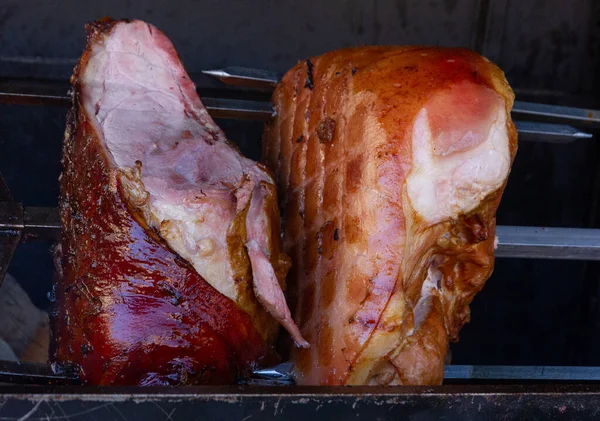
16, 372
522, 242
556, 112
548, 243
281, 373
34, 373
57, 94
41, 222
528, 131
244, 76
550, 133
32, 92
31, 222
238, 109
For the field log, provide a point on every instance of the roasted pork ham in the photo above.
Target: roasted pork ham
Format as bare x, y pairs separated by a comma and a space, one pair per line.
171, 266
390, 163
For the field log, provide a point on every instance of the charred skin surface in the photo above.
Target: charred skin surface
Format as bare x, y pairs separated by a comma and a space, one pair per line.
129, 310
389, 240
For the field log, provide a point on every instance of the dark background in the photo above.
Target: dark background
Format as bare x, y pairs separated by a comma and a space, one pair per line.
531, 311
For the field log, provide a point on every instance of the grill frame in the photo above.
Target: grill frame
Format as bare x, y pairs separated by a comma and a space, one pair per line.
460, 402
576, 396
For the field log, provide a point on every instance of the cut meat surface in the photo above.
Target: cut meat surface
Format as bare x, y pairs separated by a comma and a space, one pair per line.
390, 166
157, 209
458, 161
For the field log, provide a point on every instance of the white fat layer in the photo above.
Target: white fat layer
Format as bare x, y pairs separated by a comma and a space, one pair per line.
196, 232
443, 187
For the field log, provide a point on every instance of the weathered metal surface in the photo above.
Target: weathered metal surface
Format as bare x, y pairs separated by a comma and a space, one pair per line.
456, 402
542, 44
232, 32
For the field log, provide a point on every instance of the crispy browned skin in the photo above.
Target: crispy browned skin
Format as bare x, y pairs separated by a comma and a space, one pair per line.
129, 310
342, 130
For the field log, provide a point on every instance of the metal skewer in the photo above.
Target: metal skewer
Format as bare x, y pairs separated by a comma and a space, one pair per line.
547, 132
57, 94
16, 372
34, 373
548, 243
243, 76
521, 242
556, 112
281, 374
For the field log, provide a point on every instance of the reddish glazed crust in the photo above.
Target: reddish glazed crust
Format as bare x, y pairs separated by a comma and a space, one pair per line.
130, 311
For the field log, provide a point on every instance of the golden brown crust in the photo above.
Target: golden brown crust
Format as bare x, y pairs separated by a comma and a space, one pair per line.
342, 125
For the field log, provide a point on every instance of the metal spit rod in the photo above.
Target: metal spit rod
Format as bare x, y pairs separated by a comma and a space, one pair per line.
281, 374
19, 372
58, 374
38, 93
550, 133
548, 243
265, 79
520, 242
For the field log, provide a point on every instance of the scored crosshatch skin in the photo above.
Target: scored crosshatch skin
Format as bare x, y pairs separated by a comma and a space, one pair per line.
390, 163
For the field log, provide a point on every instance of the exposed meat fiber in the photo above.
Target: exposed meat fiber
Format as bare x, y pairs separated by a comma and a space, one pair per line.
390, 164
171, 266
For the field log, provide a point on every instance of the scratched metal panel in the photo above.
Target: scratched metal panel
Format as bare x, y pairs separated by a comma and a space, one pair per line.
214, 33
542, 44
464, 403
